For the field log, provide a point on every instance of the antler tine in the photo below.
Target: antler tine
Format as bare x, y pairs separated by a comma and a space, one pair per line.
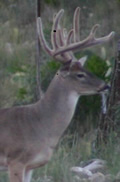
64, 34
42, 38
55, 29
60, 36
59, 33
91, 40
63, 46
94, 29
70, 36
76, 22
104, 39
88, 42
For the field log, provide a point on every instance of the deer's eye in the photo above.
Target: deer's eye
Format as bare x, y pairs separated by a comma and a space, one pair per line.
80, 75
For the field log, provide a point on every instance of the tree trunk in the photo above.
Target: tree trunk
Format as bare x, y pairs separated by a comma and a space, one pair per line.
107, 121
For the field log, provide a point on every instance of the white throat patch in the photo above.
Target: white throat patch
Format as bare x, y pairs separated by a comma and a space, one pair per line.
72, 101
73, 98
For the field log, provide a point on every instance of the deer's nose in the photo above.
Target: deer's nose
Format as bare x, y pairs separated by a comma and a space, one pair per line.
104, 88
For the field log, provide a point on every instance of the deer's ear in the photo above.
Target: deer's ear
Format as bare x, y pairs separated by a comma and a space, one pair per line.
83, 60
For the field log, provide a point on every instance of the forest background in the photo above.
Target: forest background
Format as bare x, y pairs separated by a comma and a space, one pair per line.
18, 85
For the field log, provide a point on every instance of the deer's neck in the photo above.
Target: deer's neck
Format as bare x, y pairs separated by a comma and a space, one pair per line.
58, 106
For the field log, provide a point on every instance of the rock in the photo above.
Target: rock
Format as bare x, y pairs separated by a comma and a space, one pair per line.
118, 176
109, 178
97, 177
77, 178
96, 165
92, 171
81, 172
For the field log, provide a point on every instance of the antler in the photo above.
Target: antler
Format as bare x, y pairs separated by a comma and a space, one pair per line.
63, 43
59, 38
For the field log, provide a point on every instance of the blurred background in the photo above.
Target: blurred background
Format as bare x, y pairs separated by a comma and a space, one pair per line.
18, 55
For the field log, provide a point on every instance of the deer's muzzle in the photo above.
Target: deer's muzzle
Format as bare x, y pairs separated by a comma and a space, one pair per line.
104, 88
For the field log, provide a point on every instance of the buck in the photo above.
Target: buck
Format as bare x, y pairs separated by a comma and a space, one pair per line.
29, 134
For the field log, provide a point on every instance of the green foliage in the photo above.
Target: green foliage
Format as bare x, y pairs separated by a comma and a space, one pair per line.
97, 66
67, 156
110, 152
3, 177
21, 93
76, 154
94, 64
18, 77
52, 2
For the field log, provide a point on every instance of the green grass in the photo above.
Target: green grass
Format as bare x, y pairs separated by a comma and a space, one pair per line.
73, 150
70, 151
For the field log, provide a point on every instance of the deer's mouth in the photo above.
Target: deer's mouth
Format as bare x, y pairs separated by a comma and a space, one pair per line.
104, 88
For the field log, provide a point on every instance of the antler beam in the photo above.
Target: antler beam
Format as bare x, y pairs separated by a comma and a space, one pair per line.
63, 43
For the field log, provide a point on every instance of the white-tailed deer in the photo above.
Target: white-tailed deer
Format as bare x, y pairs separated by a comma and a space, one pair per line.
29, 134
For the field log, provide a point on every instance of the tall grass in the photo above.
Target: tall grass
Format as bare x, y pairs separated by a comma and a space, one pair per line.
75, 153
70, 152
